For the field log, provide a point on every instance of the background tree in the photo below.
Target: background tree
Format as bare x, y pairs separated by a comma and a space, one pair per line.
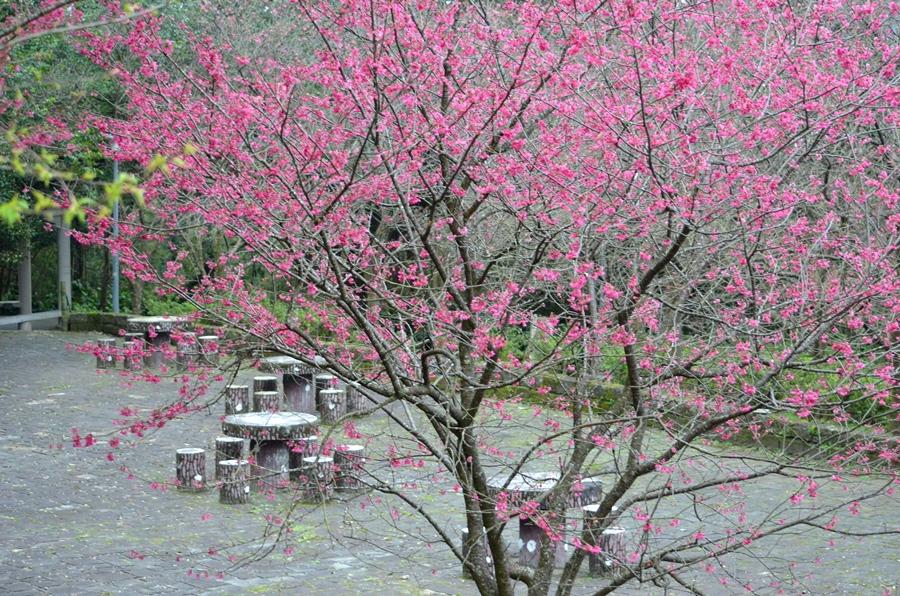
697, 198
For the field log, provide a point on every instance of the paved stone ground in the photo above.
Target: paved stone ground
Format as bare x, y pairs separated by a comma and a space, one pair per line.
72, 522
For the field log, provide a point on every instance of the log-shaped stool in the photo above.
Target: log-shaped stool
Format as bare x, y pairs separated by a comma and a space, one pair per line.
187, 352
302, 448
266, 401
228, 448
349, 467
265, 383
332, 405
611, 541
317, 479
106, 353
190, 469
234, 489
356, 399
134, 351
237, 399
209, 349
321, 382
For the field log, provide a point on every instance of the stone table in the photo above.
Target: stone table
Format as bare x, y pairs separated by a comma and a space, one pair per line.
270, 434
532, 486
158, 334
297, 381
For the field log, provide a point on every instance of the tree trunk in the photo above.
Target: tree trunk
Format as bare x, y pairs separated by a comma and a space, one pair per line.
137, 296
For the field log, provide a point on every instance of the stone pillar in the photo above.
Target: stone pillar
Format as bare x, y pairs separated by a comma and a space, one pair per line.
64, 260
25, 284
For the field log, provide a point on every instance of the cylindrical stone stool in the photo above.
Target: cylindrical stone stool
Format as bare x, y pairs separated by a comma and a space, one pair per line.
134, 351
209, 349
356, 399
265, 383
187, 352
237, 399
332, 405
320, 383
228, 448
301, 449
266, 401
106, 353
190, 469
317, 479
234, 488
611, 542
349, 464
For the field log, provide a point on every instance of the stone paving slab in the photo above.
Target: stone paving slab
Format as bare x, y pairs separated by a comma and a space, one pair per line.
72, 522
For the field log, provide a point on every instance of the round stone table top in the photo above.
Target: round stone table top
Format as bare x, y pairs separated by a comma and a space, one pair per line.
158, 323
290, 365
530, 486
270, 426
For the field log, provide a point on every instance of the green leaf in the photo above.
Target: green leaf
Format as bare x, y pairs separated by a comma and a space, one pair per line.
158, 162
11, 211
41, 201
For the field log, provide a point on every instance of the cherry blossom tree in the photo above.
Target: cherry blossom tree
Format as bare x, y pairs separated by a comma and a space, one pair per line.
460, 206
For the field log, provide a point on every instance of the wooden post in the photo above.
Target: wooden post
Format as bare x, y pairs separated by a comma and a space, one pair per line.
317, 479
209, 350
349, 465
301, 449
234, 488
237, 399
190, 469
106, 353
266, 401
332, 405
228, 448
